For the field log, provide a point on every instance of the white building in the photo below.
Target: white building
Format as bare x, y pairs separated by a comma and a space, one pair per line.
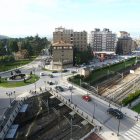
102, 40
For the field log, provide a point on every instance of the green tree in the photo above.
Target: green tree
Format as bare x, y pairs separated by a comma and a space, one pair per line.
13, 46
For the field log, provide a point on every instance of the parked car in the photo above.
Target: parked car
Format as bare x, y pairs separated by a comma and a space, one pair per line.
55, 71
42, 74
64, 70
17, 71
59, 88
86, 97
50, 82
68, 87
73, 71
115, 112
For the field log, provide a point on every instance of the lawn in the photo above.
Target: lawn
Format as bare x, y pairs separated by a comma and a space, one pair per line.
46, 69
17, 84
136, 108
18, 63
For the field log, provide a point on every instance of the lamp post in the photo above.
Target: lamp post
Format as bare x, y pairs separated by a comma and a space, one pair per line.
71, 95
119, 120
9, 94
45, 84
94, 109
34, 79
14, 94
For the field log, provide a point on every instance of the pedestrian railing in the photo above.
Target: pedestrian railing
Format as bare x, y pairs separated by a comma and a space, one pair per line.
8, 122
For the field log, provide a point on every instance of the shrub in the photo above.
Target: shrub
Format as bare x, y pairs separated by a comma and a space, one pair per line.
131, 97
31, 73
11, 73
24, 80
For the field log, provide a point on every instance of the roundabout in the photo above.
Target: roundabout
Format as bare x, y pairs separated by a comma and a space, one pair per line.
18, 80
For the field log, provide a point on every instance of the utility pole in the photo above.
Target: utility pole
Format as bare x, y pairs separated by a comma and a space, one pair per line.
58, 114
70, 122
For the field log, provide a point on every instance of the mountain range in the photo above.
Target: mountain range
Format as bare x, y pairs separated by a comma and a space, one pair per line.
4, 37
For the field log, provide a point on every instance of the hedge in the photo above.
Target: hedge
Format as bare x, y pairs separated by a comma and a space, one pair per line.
131, 97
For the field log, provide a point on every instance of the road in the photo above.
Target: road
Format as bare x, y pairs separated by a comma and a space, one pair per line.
100, 112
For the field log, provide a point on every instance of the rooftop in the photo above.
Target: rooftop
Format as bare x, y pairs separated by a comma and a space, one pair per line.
62, 43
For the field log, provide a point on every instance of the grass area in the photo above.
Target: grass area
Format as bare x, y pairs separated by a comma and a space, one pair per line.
76, 81
136, 108
17, 63
49, 70
16, 84
46, 69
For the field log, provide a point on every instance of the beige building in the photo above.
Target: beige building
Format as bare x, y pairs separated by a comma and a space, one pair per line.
85, 72
62, 55
122, 34
78, 39
133, 45
124, 45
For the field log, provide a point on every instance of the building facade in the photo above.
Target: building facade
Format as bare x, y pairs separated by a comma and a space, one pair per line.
122, 34
102, 40
62, 55
124, 45
78, 39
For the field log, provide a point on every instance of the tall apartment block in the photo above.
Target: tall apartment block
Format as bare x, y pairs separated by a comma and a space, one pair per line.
78, 39
125, 44
102, 40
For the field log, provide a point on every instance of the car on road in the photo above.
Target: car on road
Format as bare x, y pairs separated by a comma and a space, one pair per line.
115, 112
64, 70
73, 71
42, 74
68, 87
86, 97
55, 71
17, 71
50, 82
59, 88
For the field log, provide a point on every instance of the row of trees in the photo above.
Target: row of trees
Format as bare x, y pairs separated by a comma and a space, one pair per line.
83, 57
33, 45
7, 59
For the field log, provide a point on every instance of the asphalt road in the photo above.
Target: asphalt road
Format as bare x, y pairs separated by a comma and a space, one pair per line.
100, 108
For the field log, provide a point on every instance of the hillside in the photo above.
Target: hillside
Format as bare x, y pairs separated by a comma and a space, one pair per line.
4, 37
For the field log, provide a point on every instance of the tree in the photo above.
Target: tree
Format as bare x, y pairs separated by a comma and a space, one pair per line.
13, 46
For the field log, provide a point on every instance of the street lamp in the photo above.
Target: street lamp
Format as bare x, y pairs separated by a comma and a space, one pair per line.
119, 120
34, 79
45, 84
94, 109
9, 94
71, 95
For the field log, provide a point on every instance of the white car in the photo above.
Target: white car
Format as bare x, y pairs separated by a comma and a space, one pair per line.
68, 87
42, 74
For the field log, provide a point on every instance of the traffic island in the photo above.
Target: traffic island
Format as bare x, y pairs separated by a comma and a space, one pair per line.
5, 83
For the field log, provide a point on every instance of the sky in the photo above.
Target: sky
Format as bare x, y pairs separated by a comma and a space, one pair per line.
21, 18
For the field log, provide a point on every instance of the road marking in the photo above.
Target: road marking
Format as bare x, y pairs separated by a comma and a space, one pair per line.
127, 134
101, 111
123, 125
135, 129
138, 125
126, 137
132, 134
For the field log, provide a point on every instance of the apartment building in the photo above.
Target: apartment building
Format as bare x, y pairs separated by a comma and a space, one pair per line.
122, 34
62, 55
78, 39
124, 45
102, 40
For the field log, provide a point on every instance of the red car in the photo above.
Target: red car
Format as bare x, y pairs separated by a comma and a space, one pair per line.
86, 97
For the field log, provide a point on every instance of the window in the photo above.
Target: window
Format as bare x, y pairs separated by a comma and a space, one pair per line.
70, 47
54, 47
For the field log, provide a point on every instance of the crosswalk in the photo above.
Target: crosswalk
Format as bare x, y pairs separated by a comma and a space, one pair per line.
133, 133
